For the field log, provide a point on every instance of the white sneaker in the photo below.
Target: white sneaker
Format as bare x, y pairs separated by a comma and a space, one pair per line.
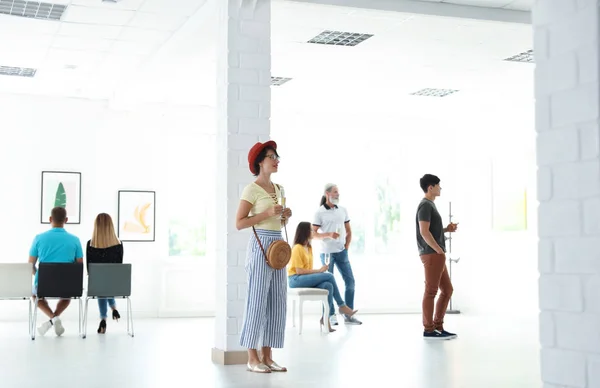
333, 320
59, 329
44, 327
351, 320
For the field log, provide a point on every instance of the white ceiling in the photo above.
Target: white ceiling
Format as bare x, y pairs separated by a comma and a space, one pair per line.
519, 5
513, 11
94, 40
149, 50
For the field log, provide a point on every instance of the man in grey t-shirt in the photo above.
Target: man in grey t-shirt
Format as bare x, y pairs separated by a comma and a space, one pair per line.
432, 250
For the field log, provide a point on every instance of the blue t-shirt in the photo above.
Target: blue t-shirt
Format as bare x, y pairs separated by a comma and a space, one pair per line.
56, 246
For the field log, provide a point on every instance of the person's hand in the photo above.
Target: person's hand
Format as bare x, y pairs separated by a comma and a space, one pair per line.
452, 227
275, 211
333, 235
440, 251
287, 213
324, 268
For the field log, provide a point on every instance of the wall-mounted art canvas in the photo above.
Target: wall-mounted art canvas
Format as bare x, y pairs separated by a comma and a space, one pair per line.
61, 189
136, 215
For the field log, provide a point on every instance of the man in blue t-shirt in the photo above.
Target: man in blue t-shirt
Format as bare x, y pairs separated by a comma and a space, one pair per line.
54, 246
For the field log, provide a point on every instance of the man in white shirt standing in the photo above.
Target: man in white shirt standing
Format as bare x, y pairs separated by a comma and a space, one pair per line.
332, 225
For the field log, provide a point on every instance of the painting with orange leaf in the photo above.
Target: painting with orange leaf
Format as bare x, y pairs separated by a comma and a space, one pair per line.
136, 215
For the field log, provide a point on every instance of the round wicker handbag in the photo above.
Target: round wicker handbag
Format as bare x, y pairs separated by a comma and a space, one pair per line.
278, 254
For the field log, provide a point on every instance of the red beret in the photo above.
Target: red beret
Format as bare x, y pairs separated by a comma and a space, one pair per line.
257, 149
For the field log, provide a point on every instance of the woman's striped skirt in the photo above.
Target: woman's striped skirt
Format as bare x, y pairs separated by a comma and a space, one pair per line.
266, 298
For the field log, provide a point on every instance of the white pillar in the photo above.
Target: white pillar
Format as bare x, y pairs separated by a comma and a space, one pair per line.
244, 109
567, 90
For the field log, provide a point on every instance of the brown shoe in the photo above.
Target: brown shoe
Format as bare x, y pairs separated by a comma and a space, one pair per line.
347, 311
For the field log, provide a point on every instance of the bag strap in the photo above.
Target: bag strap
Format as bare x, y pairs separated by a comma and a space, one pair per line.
260, 244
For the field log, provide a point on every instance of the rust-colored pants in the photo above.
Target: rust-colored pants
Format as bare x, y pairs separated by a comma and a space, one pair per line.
436, 277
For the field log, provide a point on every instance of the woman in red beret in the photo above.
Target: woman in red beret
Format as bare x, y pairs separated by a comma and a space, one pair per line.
266, 301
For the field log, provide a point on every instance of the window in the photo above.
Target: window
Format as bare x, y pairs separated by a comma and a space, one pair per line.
189, 144
387, 215
509, 196
189, 193
378, 177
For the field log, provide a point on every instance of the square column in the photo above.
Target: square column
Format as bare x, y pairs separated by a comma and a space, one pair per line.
567, 90
244, 110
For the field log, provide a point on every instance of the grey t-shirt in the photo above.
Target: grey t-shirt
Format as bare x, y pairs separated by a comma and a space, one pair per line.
428, 212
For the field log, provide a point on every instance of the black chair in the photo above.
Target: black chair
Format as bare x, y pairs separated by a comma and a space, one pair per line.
109, 281
59, 281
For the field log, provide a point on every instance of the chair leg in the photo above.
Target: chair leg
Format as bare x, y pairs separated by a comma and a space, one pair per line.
294, 312
326, 316
30, 317
80, 317
34, 323
129, 317
300, 315
85, 318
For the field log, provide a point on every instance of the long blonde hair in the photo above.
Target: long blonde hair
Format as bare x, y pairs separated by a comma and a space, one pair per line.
104, 235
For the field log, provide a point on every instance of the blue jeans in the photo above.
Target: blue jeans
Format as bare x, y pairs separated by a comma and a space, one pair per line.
325, 281
341, 261
103, 304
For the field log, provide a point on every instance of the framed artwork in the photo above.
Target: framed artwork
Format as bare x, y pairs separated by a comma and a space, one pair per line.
136, 215
61, 189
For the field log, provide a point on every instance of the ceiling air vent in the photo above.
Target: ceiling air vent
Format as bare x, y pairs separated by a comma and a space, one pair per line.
278, 81
339, 38
17, 71
434, 92
526, 57
32, 9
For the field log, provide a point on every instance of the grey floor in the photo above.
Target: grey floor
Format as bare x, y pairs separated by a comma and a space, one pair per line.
386, 351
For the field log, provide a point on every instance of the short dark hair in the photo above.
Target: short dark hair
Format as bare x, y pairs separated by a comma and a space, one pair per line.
59, 215
428, 180
303, 233
261, 156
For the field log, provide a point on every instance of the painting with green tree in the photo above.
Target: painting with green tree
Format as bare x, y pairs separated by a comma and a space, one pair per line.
61, 189
61, 196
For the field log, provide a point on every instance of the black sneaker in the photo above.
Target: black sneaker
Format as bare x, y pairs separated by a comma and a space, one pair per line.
452, 335
436, 335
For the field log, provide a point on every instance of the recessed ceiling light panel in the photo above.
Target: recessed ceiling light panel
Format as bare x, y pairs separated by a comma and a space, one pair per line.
17, 71
339, 38
526, 57
431, 92
278, 81
32, 9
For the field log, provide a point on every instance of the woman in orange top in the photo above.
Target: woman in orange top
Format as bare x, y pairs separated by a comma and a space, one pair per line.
302, 275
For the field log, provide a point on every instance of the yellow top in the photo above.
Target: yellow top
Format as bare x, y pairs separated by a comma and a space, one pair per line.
261, 201
302, 257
